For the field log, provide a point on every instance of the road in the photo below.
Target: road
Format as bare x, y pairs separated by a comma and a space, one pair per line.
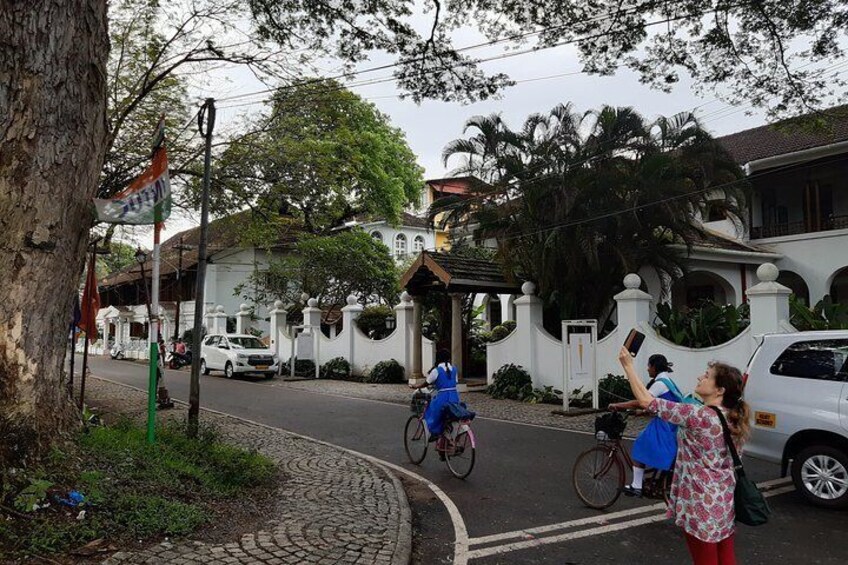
521, 481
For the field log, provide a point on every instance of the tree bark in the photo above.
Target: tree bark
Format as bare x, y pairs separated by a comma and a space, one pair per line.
52, 138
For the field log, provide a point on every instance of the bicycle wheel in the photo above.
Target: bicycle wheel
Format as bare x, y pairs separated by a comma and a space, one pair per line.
598, 477
415, 439
460, 454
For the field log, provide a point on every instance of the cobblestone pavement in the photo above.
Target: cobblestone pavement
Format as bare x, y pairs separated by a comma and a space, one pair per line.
479, 401
333, 507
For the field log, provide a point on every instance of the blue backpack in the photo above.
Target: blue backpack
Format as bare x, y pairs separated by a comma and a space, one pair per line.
687, 399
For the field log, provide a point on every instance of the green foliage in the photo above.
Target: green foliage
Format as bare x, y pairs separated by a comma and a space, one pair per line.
544, 395
34, 494
613, 388
580, 399
372, 321
510, 325
825, 315
133, 490
545, 179
510, 382
303, 368
321, 154
386, 372
499, 333
337, 368
707, 325
120, 256
329, 268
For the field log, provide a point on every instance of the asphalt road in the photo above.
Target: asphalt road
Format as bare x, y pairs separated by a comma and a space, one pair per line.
521, 481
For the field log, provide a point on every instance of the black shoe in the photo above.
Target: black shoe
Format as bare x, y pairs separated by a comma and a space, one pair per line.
630, 491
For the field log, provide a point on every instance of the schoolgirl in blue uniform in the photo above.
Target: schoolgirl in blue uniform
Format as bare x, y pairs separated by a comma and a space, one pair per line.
656, 446
442, 378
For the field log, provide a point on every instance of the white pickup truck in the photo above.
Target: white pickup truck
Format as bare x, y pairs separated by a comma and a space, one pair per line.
797, 387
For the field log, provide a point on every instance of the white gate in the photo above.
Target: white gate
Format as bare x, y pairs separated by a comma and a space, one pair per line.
580, 357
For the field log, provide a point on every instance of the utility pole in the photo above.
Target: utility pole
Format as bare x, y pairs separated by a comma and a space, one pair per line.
207, 113
180, 247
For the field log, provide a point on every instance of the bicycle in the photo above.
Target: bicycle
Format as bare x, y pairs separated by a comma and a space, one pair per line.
599, 472
457, 439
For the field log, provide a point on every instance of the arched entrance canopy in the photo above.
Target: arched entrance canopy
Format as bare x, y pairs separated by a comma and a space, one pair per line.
455, 275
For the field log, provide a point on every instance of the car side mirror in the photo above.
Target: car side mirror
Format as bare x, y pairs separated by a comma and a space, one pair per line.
224, 346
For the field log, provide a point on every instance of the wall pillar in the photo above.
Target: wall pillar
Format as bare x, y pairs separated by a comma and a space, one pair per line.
403, 327
769, 302
633, 304
279, 320
243, 319
219, 320
312, 329
349, 315
528, 316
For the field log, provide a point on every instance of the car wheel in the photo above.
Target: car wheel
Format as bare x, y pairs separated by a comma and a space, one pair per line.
203, 368
820, 474
228, 370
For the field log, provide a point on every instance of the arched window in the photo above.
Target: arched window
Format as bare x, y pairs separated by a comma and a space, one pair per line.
400, 246
377, 235
418, 244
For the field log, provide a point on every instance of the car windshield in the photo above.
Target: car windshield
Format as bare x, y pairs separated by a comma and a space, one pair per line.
246, 343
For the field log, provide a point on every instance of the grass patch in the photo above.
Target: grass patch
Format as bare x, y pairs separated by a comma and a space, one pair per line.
133, 491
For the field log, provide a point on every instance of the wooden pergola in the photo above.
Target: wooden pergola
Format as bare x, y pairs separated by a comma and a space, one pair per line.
456, 276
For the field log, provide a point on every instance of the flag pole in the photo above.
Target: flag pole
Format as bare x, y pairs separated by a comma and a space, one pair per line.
153, 338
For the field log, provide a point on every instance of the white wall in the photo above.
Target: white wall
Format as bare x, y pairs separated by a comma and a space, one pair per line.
390, 232
816, 257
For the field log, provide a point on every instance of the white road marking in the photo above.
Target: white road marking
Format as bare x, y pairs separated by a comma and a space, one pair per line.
460, 554
598, 519
605, 529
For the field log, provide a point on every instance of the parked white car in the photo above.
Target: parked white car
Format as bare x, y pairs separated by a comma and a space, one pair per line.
237, 354
797, 386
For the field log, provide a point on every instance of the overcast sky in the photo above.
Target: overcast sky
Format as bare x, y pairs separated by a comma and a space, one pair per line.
431, 125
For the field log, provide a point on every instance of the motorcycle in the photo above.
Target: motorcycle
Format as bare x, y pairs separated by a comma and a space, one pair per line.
117, 351
177, 361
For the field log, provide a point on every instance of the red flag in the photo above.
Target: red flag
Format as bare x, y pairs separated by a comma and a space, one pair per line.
90, 305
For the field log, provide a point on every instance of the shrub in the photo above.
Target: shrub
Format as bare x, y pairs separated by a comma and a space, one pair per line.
825, 315
544, 395
510, 325
613, 388
512, 382
580, 399
386, 372
372, 321
304, 368
703, 326
337, 368
499, 333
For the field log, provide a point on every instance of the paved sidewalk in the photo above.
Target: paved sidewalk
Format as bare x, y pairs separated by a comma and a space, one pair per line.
333, 507
479, 401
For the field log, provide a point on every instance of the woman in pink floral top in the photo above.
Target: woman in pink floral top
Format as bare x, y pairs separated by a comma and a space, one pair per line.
702, 491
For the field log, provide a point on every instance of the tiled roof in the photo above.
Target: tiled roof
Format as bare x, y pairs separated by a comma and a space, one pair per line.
406, 220
787, 136
224, 233
453, 272
717, 240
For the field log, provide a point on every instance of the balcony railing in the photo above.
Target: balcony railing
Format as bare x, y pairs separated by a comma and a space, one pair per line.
793, 228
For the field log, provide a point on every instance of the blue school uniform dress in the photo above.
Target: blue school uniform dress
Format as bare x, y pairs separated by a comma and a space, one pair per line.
443, 379
656, 446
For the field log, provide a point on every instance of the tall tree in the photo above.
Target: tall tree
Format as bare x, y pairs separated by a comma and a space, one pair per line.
321, 154
577, 202
329, 268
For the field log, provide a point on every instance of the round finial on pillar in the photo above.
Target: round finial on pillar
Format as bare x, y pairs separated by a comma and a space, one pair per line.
632, 281
304, 297
528, 288
244, 308
312, 302
219, 309
404, 297
210, 309
278, 305
767, 272
351, 300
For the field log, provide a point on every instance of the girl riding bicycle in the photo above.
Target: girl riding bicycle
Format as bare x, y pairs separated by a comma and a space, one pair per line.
656, 446
442, 378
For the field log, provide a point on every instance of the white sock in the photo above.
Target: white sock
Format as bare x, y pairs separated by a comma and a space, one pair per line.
638, 475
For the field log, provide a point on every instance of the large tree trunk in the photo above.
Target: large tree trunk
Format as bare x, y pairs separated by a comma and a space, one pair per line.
52, 138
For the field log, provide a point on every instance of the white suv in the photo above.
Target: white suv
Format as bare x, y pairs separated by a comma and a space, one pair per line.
237, 353
797, 387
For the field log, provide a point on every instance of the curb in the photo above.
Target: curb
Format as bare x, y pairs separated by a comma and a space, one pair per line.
403, 545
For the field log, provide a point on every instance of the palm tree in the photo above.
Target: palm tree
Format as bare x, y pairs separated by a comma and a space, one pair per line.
575, 202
